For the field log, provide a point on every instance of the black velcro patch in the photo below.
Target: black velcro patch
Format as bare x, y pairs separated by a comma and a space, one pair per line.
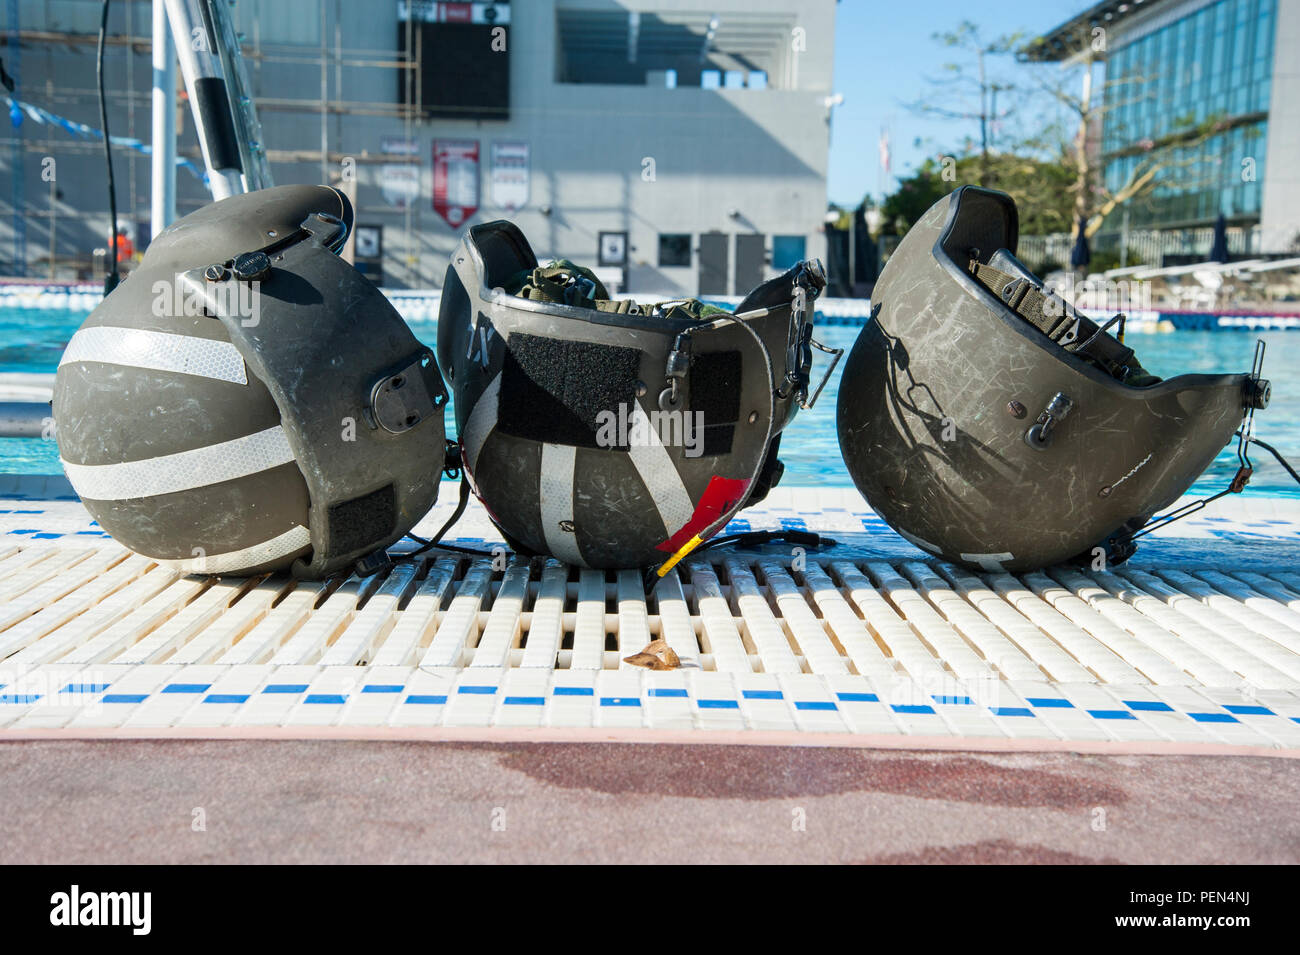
362, 521
715, 390
553, 390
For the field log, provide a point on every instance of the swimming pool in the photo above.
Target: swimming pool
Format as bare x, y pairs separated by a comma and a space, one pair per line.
31, 340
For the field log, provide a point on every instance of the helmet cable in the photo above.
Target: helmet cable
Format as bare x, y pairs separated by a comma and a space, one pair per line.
111, 278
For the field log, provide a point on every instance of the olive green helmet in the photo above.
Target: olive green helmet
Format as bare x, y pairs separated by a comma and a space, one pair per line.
606, 433
992, 425
246, 401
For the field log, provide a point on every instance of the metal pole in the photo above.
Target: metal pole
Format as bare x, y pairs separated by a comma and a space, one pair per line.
17, 197
205, 82
1123, 241
54, 226
853, 253
163, 157
324, 103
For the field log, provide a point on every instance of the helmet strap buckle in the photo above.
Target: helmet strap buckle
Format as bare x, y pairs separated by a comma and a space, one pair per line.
679, 362
1040, 434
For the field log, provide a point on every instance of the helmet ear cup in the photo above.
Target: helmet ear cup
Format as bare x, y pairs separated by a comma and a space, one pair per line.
232, 407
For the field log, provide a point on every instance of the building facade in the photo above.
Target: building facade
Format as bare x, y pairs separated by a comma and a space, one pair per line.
681, 145
1215, 84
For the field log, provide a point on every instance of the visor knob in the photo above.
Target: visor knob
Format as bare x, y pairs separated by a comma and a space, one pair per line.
251, 266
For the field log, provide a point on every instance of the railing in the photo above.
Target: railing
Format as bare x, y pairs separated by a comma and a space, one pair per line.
1147, 246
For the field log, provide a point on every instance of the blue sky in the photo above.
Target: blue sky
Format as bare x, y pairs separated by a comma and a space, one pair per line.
883, 54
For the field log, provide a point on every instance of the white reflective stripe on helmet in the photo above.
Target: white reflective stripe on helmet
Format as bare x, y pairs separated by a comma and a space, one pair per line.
655, 465
294, 539
160, 351
990, 562
482, 419
556, 492
183, 470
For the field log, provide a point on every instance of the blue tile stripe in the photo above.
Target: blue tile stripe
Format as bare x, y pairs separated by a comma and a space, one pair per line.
1249, 710
1129, 709
1111, 715
1214, 717
1154, 706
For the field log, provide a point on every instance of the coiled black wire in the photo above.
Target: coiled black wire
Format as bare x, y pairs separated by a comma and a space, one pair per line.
112, 278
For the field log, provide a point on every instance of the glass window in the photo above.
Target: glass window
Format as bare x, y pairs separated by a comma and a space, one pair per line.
787, 251
674, 250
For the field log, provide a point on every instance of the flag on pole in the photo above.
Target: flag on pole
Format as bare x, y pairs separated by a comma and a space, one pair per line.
884, 151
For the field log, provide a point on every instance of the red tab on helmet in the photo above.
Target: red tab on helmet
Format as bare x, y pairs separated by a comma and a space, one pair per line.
718, 499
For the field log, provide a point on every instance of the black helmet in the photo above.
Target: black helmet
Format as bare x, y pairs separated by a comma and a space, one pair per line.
247, 401
605, 433
991, 424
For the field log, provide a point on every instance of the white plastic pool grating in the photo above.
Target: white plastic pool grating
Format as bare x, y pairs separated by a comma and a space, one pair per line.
872, 643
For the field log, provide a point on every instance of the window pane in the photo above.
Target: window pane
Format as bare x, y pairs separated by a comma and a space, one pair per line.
674, 250
787, 251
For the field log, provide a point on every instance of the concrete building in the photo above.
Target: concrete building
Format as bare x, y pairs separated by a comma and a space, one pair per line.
1172, 64
682, 144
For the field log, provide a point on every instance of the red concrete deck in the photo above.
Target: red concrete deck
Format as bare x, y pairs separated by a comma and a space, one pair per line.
324, 802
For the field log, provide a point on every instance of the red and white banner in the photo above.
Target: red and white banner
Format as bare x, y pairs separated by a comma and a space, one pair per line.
455, 179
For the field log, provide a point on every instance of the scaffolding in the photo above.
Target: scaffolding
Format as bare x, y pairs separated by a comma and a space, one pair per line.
127, 48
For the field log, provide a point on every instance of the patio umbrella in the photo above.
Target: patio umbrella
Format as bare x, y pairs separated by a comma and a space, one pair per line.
1080, 255
1219, 247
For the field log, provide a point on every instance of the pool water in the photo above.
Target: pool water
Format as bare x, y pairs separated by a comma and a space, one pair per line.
33, 340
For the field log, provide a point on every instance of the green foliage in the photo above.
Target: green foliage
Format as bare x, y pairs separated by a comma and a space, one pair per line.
1040, 188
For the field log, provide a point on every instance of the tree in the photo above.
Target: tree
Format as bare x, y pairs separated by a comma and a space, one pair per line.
967, 94
1039, 186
